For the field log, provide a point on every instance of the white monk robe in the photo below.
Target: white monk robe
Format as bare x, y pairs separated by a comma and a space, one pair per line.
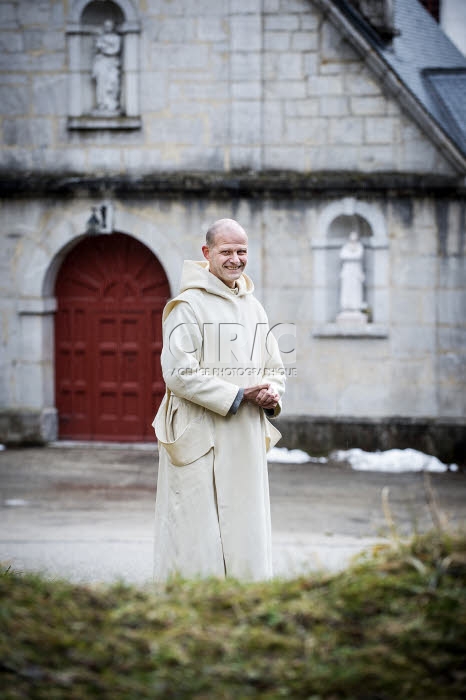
212, 514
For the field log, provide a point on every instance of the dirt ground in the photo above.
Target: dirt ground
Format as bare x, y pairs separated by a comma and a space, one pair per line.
86, 513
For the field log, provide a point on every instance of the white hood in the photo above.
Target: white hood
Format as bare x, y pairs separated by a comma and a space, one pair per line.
196, 275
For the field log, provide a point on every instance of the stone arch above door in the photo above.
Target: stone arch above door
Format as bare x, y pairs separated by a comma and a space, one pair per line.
39, 258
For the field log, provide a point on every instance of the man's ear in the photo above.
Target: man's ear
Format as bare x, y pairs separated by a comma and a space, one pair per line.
205, 251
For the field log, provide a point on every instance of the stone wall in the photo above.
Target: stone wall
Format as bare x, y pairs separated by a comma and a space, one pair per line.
416, 367
261, 111
443, 438
222, 86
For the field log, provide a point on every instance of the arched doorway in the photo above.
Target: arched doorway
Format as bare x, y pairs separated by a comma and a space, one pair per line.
110, 293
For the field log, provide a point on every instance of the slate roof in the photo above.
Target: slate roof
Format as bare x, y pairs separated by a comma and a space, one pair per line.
449, 89
426, 61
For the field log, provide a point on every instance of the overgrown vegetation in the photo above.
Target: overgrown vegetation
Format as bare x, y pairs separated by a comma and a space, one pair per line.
392, 626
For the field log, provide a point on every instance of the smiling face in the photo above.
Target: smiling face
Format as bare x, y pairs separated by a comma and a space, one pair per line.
228, 254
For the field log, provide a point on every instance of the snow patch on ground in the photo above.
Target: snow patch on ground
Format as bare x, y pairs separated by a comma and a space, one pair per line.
282, 455
395, 461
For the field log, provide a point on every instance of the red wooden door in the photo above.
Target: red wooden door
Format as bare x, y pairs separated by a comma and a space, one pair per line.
111, 291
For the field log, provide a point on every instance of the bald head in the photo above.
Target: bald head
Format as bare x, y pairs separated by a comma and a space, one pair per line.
223, 226
226, 249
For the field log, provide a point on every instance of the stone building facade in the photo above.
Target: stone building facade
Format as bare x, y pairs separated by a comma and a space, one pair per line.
303, 119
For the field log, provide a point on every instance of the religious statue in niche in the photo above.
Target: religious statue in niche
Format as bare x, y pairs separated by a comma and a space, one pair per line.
106, 70
352, 305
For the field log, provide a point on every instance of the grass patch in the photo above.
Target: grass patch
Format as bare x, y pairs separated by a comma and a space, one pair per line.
392, 626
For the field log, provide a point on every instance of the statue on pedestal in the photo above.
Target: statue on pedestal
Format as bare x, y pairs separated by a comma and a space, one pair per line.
351, 282
106, 70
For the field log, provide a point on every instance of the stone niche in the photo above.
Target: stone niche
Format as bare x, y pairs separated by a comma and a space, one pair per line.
103, 59
336, 222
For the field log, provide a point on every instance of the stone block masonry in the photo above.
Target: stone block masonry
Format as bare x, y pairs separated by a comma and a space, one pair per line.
259, 110
414, 369
321, 435
210, 77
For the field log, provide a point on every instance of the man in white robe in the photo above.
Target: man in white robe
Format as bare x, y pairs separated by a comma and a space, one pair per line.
223, 374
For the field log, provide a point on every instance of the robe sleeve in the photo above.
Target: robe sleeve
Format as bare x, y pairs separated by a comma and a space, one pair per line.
237, 402
182, 373
274, 372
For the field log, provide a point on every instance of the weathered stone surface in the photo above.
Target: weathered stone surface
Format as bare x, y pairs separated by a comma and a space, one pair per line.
334, 45
245, 6
361, 84
278, 157
176, 130
246, 123
23, 427
261, 111
101, 160
276, 41
154, 92
414, 272
137, 161
312, 64
301, 130
304, 41
247, 90
381, 130
273, 123
10, 42
271, 6
320, 435
368, 106
452, 272
12, 160
323, 85
271, 181
452, 338
68, 160
172, 30
190, 56
186, 7
291, 89
245, 34
48, 95
333, 106
346, 131
405, 343
309, 20
212, 29
34, 12
8, 19
27, 132
14, 100
38, 40
409, 383
228, 53
302, 108
281, 23
451, 305
290, 67
245, 65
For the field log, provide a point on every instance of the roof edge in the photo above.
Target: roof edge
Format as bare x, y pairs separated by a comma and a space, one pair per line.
395, 85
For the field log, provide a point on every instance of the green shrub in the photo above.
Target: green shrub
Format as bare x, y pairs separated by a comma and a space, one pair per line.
392, 626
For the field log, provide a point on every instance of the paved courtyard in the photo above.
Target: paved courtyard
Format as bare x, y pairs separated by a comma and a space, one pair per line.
86, 513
